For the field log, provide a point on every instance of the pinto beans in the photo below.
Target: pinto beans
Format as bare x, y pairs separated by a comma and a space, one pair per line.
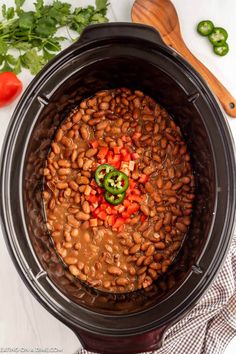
129, 246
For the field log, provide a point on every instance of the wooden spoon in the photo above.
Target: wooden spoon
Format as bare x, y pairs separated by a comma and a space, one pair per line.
162, 15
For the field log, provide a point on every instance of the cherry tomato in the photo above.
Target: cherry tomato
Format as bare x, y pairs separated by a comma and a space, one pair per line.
10, 88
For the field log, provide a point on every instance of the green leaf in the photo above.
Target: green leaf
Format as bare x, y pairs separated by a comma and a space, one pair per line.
47, 55
2, 58
26, 20
46, 27
33, 61
4, 11
19, 4
3, 47
17, 67
101, 5
60, 12
6, 67
39, 5
99, 18
11, 60
10, 13
52, 45
23, 46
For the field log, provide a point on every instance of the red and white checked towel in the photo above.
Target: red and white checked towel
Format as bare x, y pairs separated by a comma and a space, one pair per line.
211, 324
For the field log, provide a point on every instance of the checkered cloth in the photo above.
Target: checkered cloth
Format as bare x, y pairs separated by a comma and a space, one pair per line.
209, 327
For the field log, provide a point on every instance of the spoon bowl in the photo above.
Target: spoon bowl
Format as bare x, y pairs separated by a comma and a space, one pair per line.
162, 15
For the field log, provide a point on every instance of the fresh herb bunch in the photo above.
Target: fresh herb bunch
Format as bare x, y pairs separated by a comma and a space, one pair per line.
28, 38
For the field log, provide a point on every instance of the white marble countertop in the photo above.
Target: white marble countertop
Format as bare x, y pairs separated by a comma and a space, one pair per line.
24, 323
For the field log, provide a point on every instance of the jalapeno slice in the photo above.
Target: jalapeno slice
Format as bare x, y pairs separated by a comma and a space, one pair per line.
116, 182
218, 36
222, 50
101, 172
205, 27
114, 199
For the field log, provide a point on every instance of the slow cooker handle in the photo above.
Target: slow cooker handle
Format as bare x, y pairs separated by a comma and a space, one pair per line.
119, 345
120, 29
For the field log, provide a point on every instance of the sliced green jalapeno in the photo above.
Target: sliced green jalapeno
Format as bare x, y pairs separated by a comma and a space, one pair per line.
222, 50
205, 28
116, 182
114, 199
101, 172
218, 36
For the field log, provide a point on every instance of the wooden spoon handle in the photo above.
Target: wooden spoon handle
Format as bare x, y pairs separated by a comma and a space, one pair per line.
226, 99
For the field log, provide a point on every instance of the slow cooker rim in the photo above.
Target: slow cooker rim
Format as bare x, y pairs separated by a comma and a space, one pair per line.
16, 113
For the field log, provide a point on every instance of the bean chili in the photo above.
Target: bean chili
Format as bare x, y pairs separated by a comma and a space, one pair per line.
123, 247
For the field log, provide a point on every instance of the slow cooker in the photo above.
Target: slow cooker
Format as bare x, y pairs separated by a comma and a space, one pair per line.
109, 56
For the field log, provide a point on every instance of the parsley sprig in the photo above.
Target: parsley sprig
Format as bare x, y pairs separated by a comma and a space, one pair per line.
29, 39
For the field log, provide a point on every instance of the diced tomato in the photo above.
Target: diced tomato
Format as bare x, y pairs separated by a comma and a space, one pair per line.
143, 178
94, 144
93, 222
102, 215
103, 151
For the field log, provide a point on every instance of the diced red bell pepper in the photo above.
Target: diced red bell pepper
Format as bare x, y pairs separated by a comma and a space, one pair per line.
93, 222
125, 215
135, 156
143, 178
103, 151
95, 212
136, 135
93, 183
135, 198
102, 215
92, 198
133, 208
111, 220
94, 144
132, 184
143, 218
119, 222
113, 160
117, 149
